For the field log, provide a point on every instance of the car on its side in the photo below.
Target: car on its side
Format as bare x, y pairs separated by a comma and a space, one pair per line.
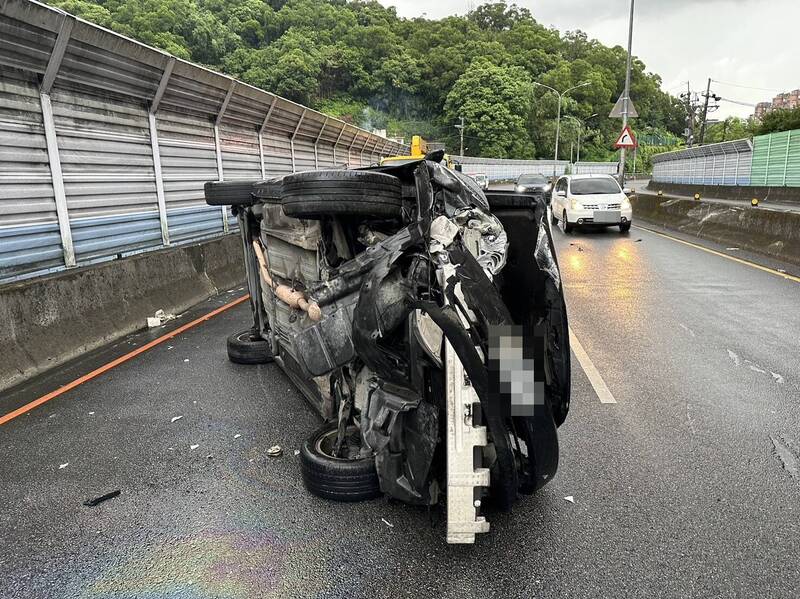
590, 200
532, 182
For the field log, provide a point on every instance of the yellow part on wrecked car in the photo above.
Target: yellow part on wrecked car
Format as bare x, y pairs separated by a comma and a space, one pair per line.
419, 148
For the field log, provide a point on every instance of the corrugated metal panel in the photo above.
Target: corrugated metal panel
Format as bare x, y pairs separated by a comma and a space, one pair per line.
500, 169
102, 90
29, 233
776, 159
793, 160
596, 168
277, 155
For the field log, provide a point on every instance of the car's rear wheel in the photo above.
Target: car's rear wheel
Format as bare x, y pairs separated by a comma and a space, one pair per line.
553, 219
565, 223
625, 227
245, 347
315, 194
351, 477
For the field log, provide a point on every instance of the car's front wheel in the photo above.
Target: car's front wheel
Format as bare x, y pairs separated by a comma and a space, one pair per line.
565, 223
625, 227
348, 476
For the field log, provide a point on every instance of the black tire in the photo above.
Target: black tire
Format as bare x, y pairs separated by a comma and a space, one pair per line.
229, 193
567, 225
553, 219
314, 194
625, 227
337, 479
246, 348
269, 190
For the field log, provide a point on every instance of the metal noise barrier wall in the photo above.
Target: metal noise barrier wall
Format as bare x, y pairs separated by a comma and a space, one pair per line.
499, 169
105, 143
726, 163
776, 159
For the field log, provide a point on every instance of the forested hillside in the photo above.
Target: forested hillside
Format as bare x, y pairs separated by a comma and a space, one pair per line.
359, 61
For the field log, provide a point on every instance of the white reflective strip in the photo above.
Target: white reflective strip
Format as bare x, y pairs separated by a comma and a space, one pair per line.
592, 373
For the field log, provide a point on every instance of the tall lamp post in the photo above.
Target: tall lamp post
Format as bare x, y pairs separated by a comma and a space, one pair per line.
558, 117
581, 129
626, 97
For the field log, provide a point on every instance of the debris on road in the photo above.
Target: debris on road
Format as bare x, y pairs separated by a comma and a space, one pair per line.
778, 378
569, 498
296, 452
236, 436
193, 447
102, 498
387, 523
176, 418
91, 413
159, 318
637, 240
62, 466
186, 359
275, 451
732, 249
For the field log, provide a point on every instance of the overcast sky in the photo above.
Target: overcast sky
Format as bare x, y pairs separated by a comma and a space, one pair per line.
745, 42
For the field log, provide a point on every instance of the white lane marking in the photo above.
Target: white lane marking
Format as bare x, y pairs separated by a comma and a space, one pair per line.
592, 373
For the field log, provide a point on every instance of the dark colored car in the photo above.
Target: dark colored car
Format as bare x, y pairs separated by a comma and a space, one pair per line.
533, 183
422, 319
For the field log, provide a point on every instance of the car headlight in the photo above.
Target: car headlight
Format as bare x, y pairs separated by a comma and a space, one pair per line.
519, 189
548, 187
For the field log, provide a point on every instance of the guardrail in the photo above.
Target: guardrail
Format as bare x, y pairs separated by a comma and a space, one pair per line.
105, 143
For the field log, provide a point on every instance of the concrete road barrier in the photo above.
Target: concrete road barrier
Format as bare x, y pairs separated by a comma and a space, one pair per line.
787, 195
48, 320
768, 232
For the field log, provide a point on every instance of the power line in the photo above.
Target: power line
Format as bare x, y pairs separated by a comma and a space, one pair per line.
763, 89
737, 102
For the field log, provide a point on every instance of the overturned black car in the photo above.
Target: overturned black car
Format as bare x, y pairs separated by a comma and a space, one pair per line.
422, 318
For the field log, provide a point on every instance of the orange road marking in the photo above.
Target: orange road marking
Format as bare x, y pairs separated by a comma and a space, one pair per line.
121, 360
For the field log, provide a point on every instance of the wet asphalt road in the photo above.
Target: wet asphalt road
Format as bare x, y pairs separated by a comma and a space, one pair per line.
688, 486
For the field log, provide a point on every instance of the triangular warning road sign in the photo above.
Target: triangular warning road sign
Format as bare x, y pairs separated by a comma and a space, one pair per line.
626, 139
616, 112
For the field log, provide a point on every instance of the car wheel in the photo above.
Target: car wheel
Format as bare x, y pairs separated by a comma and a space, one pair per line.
349, 478
314, 194
565, 223
553, 219
269, 190
625, 227
246, 348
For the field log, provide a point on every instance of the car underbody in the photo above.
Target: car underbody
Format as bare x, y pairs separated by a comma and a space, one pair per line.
384, 294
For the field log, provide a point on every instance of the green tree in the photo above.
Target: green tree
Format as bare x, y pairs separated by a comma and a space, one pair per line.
495, 102
779, 120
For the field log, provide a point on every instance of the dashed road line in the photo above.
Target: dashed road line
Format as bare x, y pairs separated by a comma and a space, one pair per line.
598, 384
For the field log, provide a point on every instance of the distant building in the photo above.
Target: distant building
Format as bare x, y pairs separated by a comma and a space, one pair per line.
785, 101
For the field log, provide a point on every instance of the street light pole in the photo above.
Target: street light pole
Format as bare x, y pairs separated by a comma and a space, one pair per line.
581, 129
558, 117
626, 97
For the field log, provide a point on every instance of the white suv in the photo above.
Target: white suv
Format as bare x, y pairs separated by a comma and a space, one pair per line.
590, 200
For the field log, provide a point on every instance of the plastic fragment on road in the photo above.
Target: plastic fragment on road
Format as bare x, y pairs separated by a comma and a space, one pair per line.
186, 359
159, 318
732, 249
193, 447
569, 498
236, 436
638, 240
62, 466
275, 451
91, 413
176, 418
387, 523
102, 498
296, 452
778, 378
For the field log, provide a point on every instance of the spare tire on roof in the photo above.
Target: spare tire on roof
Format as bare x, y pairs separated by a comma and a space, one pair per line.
314, 194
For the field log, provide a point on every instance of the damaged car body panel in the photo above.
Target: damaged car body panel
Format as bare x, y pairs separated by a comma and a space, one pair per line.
382, 296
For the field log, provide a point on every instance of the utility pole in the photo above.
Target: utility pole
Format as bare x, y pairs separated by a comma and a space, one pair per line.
707, 109
461, 133
690, 111
626, 96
